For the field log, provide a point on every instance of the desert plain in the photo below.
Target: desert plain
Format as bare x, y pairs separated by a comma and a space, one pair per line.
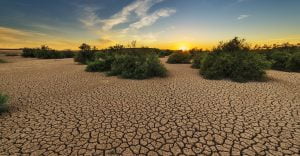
56, 108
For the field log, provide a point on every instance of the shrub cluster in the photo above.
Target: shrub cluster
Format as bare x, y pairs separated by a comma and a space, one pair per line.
3, 102
46, 53
285, 60
293, 63
179, 58
197, 59
134, 66
131, 65
96, 66
164, 53
11, 54
280, 60
85, 55
233, 60
284, 56
3, 61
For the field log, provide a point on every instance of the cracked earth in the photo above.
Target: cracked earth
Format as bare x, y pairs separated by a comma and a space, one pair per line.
58, 109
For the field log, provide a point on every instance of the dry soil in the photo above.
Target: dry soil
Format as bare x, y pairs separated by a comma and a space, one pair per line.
58, 109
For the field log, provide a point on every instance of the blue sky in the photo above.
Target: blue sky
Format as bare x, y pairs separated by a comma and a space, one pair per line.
157, 23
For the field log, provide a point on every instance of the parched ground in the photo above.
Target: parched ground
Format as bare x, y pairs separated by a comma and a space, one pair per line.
58, 109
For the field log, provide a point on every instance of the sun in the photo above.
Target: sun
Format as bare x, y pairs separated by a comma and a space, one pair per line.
183, 48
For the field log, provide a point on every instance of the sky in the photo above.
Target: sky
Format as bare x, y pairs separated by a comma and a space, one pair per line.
166, 24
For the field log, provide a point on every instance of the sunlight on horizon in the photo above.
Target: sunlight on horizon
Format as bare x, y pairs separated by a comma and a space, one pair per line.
184, 48
164, 24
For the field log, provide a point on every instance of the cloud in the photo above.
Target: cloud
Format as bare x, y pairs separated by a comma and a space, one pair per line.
134, 16
139, 8
241, 17
90, 17
152, 18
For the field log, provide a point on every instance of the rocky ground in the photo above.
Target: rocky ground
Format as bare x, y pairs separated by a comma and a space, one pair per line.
58, 109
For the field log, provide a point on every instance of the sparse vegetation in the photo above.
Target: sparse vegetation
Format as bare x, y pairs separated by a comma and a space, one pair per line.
46, 53
11, 54
164, 53
29, 52
85, 55
234, 61
3, 102
96, 66
197, 59
293, 63
179, 58
280, 60
131, 63
284, 57
2, 61
134, 66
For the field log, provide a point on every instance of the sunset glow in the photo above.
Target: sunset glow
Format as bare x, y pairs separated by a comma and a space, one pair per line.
64, 24
183, 48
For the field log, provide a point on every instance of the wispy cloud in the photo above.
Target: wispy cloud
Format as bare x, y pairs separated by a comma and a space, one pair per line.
90, 17
152, 18
241, 17
139, 8
133, 17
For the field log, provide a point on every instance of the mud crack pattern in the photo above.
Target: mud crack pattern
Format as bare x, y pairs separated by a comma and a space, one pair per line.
58, 109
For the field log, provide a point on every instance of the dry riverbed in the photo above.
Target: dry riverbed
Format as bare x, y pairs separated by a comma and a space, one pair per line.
56, 108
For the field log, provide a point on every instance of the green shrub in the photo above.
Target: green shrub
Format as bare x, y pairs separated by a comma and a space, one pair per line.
85, 55
164, 53
28, 52
96, 66
293, 63
280, 60
107, 57
68, 54
134, 66
3, 61
198, 59
239, 66
49, 54
179, 58
234, 45
248, 66
11, 54
217, 66
3, 102
46, 53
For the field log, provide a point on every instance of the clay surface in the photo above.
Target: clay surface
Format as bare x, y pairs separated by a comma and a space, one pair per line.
56, 108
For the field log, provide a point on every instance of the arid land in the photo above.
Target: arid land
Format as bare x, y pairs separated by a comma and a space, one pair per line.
56, 108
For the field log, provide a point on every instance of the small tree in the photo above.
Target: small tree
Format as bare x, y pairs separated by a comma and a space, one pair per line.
132, 44
234, 45
117, 47
179, 58
44, 47
85, 47
85, 55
